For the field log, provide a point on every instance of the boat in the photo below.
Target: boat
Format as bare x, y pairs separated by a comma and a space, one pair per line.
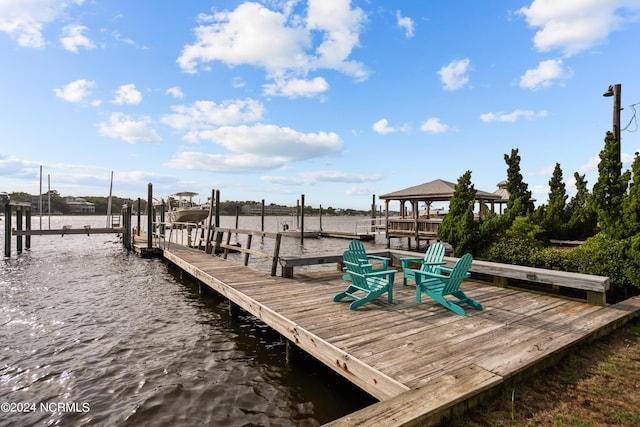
183, 209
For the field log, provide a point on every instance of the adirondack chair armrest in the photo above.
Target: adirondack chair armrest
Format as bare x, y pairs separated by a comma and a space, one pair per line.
448, 271
441, 270
381, 273
429, 275
405, 261
349, 265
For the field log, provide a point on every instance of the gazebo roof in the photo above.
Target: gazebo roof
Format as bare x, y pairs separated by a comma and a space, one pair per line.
438, 190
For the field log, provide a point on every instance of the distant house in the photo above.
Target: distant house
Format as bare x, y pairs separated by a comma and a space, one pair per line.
78, 205
256, 209
35, 203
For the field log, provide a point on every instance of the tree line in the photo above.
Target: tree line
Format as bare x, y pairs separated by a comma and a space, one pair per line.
606, 220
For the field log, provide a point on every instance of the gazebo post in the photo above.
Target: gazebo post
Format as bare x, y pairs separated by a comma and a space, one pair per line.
386, 223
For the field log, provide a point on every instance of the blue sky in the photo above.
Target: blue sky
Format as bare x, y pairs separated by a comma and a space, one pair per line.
332, 99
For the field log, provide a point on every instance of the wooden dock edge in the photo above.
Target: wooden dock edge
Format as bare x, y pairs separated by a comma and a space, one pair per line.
427, 405
376, 383
446, 397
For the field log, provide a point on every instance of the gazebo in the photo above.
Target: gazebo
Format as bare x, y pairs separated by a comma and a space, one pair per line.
424, 228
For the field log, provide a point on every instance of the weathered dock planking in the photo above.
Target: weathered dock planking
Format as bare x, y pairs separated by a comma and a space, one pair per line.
421, 361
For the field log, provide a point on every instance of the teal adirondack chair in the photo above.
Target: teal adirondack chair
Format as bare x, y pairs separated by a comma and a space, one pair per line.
366, 285
444, 282
356, 247
434, 257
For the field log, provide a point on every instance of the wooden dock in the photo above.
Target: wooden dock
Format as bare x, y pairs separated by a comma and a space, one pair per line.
421, 361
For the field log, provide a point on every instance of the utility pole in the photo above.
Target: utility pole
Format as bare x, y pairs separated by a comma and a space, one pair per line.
616, 92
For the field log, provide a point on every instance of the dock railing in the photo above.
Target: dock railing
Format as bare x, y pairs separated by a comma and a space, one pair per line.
227, 246
370, 226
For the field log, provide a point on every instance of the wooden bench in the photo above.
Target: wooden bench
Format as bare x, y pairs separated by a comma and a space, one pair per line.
595, 286
289, 262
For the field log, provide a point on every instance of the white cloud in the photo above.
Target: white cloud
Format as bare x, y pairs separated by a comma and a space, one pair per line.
433, 125
205, 114
25, 20
574, 26
121, 126
454, 75
544, 75
127, 94
406, 24
14, 167
294, 88
272, 141
310, 178
175, 91
221, 163
237, 37
72, 38
382, 127
76, 91
513, 116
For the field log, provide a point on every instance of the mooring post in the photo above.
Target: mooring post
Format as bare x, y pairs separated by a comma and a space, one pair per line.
302, 219
125, 225
262, 216
139, 208
27, 219
207, 247
7, 230
19, 228
217, 209
150, 216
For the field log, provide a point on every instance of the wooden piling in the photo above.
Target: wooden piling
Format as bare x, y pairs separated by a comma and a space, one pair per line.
150, 216
19, 227
7, 230
302, 220
207, 246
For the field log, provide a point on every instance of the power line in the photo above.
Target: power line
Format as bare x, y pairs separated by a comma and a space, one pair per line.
633, 119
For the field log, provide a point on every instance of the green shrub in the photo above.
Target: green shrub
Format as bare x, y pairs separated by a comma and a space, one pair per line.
605, 256
600, 255
512, 250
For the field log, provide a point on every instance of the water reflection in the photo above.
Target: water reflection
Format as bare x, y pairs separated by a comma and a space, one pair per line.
84, 322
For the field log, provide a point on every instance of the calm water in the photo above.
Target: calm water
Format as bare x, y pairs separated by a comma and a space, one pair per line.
91, 335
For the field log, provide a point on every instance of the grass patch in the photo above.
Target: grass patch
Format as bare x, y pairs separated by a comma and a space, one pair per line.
597, 385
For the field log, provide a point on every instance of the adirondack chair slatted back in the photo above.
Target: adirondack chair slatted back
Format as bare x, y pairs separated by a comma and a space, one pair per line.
354, 264
458, 274
356, 247
365, 285
435, 253
432, 259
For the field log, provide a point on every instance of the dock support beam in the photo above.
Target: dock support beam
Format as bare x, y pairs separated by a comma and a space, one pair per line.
292, 353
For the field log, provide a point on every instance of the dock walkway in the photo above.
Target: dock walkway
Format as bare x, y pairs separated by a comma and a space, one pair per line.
421, 361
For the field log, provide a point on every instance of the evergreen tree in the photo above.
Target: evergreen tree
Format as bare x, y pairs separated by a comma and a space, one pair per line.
609, 191
555, 213
458, 227
631, 202
519, 203
583, 221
